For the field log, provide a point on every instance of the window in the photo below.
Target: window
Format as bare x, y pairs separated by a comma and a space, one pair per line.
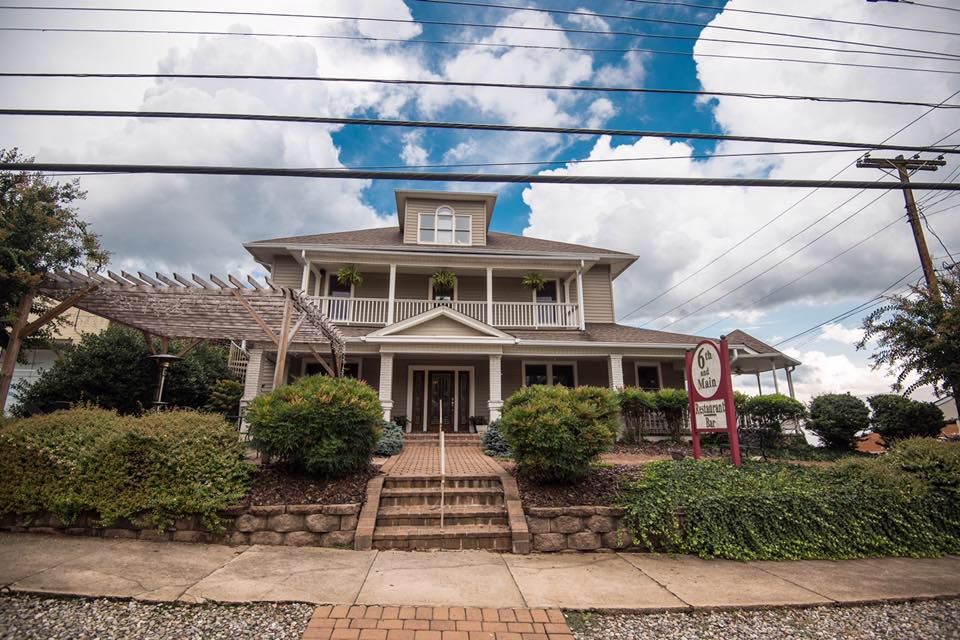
648, 377
444, 227
564, 373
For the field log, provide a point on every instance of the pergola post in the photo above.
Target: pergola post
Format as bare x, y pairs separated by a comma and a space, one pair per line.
13, 347
280, 373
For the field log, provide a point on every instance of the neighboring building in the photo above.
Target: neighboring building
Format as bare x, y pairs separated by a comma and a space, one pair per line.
441, 355
949, 408
76, 324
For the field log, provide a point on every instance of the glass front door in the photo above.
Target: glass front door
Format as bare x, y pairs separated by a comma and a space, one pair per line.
440, 401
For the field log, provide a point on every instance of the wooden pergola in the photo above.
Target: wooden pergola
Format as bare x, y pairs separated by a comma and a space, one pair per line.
194, 308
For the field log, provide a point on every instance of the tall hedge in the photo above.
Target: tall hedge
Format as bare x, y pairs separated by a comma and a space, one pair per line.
556, 432
895, 417
837, 418
320, 425
154, 468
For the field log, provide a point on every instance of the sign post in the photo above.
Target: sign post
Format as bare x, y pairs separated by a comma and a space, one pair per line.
710, 388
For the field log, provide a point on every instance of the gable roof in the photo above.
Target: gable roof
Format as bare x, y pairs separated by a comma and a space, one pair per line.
391, 237
742, 337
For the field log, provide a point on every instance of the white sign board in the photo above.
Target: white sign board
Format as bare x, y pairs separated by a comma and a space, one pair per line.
707, 370
711, 414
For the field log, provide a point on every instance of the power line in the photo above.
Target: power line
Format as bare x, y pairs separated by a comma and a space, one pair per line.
480, 25
423, 176
792, 15
491, 85
933, 6
779, 215
469, 126
468, 43
685, 23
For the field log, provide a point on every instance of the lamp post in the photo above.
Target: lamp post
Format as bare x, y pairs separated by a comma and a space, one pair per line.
164, 360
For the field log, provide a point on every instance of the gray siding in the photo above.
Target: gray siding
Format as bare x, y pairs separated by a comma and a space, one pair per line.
286, 272
411, 220
471, 288
411, 286
598, 294
510, 290
374, 285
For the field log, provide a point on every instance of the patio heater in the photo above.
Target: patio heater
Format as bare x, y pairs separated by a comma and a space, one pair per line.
164, 360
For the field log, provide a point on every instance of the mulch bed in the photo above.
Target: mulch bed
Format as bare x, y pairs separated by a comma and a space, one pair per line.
601, 487
275, 485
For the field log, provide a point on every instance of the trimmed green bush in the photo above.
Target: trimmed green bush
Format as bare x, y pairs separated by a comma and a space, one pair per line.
225, 398
764, 417
556, 432
673, 404
391, 440
155, 468
634, 403
837, 418
319, 424
493, 442
895, 417
763, 511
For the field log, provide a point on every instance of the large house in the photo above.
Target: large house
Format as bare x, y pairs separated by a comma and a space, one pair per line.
445, 352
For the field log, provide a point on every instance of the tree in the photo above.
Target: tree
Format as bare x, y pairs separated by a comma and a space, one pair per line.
919, 335
112, 370
897, 418
40, 232
837, 418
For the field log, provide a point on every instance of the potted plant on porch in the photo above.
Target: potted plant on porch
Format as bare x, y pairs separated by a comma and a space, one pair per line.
348, 274
534, 280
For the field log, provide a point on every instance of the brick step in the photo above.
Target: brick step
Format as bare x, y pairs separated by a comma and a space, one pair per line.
412, 496
450, 439
433, 482
466, 536
429, 515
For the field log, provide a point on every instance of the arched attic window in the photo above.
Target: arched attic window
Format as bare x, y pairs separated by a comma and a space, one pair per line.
445, 226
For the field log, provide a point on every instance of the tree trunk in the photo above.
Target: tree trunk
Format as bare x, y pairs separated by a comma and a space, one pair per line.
13, 347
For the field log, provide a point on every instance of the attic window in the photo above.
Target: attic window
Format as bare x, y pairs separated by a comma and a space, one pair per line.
444, 227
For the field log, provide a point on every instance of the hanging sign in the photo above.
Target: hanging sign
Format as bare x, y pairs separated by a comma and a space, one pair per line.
710, 387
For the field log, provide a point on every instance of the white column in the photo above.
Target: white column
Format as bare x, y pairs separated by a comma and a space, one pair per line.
615, 371
581, 310
305, 278
495, 402
386, 384
759, 385
490, 295
773, 371
392, 293
790, 382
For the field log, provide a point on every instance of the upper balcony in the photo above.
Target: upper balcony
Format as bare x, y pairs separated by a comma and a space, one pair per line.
387, 294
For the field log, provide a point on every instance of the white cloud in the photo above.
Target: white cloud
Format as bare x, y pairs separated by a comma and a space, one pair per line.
413, 152
587, 19
836, 332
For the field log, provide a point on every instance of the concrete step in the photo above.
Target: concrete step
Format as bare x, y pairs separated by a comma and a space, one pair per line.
429, 515
467, 536
412, 496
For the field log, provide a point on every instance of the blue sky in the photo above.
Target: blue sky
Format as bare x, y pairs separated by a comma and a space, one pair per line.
198, 223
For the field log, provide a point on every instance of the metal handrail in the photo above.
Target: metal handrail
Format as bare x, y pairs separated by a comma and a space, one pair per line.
443, 465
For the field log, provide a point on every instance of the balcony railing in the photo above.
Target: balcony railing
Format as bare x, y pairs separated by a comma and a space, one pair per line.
517, 315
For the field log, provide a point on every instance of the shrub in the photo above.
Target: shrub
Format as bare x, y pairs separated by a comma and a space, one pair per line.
111, 370
634, 403
764, 417
896, 417
319, 424
153, 469
937, 463
225, 398
673, 404
493, 442
391, 440
855, 508
556, 432
837, 418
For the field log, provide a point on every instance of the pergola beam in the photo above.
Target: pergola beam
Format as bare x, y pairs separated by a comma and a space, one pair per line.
31, 328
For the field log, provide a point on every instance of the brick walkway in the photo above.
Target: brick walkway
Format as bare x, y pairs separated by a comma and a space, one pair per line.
435, 623
424, 460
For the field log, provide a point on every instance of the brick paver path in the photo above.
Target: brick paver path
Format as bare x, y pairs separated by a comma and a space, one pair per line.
360, 622
424, 460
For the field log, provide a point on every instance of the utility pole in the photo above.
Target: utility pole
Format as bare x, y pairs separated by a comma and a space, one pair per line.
903, 167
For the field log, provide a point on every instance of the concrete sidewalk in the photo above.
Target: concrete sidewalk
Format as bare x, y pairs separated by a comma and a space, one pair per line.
197, 573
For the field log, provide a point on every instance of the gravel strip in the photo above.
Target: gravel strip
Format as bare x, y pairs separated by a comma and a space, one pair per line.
930, 620
28, 617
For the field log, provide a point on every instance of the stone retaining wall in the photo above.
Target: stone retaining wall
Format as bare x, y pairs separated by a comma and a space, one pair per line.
330, 525
577, 529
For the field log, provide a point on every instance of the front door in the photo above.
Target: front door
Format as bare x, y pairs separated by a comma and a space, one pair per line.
441, 409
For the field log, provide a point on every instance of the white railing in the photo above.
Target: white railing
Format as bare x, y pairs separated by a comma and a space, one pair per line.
526, 315
355, 310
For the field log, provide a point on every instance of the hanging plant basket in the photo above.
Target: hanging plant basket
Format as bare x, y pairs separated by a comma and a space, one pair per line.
445, 280
349, 274
534, 280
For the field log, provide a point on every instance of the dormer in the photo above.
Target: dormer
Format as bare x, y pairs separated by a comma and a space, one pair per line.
445, 218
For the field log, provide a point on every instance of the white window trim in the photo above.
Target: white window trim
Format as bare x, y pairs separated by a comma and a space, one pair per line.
647, 363
426, 388
455, 215
330, 277
556, 281
549, 363
456, 283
